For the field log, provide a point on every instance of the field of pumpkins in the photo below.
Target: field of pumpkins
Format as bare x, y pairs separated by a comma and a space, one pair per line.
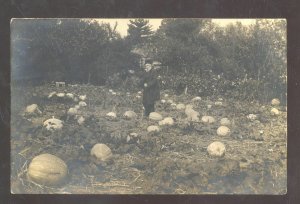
84, 139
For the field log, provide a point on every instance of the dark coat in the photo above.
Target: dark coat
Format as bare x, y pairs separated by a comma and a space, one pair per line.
151, 93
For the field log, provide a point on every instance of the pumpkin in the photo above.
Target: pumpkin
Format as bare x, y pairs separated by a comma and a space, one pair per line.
53, 124
218, 103
60, 95
180, 106
208, 119
82, 104
82, 97
275, 111
223, 131
70, 95
225, 122
173, 105
216, 149
170, 101
129, 115
72, 111
111, 115
32, 109
163, 101
101, 152
47, 169
155, 116
153, 128
166, 121
275, 102
198, 98
52, 94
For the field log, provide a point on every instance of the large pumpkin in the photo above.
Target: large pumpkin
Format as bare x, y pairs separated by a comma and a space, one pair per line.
48, 170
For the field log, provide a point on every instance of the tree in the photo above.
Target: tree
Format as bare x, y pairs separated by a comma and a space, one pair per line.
139, 31
181, 44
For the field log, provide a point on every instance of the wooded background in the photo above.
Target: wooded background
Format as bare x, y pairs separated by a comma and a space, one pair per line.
246, 62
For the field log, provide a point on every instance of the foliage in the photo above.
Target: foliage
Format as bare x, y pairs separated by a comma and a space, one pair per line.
139, 31
246, 62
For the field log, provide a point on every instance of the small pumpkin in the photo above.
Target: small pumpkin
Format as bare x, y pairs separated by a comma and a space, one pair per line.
48, 170
197, 98
223, 131
32, 109
60, 95
208, 119
166, 121
101, 152
216, 149
155, 116
82, 104
111, 115
153, 128
82, 97
70, 95
129, 115
275, 111
275, 102
53, 124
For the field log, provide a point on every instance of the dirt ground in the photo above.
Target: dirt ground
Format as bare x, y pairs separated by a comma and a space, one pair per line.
173, 161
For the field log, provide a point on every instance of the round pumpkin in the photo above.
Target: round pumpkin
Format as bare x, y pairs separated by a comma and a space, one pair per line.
48, 170
32, 109
197, 98
166, 121
275, 111
216, 149
155, 116
129, 115
275, 102
208, 119
223, 131
101, 151
53, 124
153, 128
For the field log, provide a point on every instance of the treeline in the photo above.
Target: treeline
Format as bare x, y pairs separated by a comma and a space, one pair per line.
241, 61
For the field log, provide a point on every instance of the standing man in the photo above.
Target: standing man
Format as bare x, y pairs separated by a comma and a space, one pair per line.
151, 90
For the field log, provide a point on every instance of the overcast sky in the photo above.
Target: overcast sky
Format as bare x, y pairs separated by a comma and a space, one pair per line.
123, 23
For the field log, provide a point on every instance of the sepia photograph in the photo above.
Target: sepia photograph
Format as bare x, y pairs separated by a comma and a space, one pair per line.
148, 106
